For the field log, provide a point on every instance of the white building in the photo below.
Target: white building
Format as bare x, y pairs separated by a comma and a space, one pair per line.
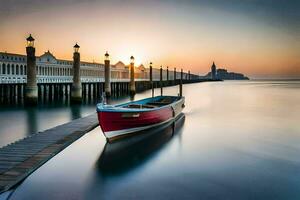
53, 70
50, 69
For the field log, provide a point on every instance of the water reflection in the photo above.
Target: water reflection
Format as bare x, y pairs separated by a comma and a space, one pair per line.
239, 141
31, 121
129, 153
132, 97
75, 112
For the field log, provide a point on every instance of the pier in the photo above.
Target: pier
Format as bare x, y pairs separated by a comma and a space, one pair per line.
21, 158
12, 93
31, 79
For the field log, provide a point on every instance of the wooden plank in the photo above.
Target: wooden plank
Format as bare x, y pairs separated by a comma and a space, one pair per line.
19, 159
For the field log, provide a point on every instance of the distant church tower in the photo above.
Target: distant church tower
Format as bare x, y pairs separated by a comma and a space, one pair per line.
213, 71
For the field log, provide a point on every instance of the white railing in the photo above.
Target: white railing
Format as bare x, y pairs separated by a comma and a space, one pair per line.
12, 79
68, 79
60, 79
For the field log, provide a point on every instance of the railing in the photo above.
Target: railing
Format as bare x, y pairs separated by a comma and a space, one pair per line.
62, 79
13, 79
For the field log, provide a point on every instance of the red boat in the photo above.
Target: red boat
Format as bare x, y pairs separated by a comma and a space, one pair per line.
124, 119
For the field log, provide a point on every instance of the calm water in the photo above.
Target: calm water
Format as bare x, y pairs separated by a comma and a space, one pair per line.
19, 122
236, 140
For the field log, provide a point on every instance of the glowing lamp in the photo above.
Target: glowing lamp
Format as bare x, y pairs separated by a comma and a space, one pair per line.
76, 48
131, 59
30, 41
106, 56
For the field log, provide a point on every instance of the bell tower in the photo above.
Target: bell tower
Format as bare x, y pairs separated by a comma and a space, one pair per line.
213, 71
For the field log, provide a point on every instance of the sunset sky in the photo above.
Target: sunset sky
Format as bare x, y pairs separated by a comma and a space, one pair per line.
260, 38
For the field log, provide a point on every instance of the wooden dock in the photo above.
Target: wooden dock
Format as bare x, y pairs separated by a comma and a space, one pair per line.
21, 158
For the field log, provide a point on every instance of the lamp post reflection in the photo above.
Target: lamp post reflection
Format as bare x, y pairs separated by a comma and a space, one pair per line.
75, 112
31, 121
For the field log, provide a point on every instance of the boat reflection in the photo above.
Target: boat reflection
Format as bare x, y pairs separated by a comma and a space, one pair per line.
126, 154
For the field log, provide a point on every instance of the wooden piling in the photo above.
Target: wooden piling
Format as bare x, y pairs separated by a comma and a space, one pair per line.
180, 85
107, 75
161, 81
151, 79
31, 90
76, 91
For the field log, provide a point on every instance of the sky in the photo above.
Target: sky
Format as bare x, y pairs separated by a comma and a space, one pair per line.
260, 38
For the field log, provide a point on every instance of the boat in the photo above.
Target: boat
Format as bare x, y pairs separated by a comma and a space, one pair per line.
117, 121
124, 155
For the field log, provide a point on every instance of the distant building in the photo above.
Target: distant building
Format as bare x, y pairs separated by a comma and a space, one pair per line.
213, 71
223, 74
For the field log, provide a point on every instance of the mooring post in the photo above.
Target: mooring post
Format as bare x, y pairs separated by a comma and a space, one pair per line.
151, 79
175, 76
39, 91
167, 75
161, 81
132, 81
89, 90
76, 91
180, 85
31, 89
107, 73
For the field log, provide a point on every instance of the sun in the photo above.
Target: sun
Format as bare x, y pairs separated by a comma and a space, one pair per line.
124, 52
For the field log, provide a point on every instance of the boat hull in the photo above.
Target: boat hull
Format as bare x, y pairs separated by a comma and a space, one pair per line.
118, 124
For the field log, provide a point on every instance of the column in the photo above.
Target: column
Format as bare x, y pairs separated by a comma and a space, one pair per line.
76, 91
107, 75
132, 81
161, 81
31, 90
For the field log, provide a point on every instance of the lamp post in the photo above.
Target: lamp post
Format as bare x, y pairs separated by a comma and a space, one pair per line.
107, 73
167, 75
180, 84
76, 91
175, 75
132, 81
31, 90
161, 81
151, 79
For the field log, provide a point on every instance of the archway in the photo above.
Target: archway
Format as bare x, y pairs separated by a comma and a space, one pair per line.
17, 70
8, 69
3, 68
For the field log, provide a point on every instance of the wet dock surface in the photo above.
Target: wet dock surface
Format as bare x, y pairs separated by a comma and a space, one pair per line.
21, 158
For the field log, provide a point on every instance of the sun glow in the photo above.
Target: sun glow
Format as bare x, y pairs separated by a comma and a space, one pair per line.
123, 53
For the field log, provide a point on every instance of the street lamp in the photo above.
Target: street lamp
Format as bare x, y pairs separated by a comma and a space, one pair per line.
106, 56
76, 48
131, 59
30, 41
